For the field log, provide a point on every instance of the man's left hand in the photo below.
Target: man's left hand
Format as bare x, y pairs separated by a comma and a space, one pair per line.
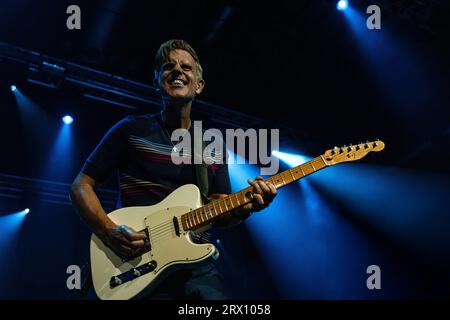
263, 194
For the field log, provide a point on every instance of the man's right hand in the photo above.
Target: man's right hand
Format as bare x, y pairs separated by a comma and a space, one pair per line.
124, 241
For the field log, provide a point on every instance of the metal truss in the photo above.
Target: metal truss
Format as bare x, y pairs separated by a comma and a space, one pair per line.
47, 71
20, 188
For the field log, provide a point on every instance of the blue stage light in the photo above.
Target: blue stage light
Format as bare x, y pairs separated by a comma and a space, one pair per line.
67, 119
291, 159
342, 5
26, 211
13, 88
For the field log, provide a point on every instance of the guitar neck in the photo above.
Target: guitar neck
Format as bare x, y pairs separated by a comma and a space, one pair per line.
204, 215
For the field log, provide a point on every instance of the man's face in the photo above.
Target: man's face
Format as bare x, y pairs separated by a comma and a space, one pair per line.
178, 77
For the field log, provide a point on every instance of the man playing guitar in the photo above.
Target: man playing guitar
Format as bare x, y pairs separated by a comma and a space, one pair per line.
138, 148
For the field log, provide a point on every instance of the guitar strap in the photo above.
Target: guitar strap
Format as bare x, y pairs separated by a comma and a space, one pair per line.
200, 173
200, 170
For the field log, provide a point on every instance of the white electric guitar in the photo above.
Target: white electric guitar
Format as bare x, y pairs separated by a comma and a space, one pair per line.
169, 225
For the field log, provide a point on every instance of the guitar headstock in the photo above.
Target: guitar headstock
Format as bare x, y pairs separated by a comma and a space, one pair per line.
351, 153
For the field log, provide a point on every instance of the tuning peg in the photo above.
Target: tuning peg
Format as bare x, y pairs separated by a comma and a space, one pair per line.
342, 148
366, 145
334, 150
358, 147
349, 148
376, 143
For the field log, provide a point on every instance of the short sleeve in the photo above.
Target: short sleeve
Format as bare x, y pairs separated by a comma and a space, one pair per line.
109, 154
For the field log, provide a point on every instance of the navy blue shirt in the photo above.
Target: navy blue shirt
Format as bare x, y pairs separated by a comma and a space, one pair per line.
139, 149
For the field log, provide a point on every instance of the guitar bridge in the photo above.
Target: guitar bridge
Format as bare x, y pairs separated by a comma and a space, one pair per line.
132, 274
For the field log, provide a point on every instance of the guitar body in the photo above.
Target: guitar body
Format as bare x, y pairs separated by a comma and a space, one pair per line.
171, 249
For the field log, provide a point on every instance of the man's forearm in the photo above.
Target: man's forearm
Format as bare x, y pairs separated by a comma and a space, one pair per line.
89, 207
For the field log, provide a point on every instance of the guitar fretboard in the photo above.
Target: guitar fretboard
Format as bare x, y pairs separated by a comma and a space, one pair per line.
204, 215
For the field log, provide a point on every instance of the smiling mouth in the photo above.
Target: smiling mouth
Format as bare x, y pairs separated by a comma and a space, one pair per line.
176, 83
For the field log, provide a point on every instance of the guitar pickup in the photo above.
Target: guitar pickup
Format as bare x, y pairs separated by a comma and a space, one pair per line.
132, 274
176, 225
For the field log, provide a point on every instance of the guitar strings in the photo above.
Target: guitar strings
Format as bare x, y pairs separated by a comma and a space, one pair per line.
169, 222
159, 226
164, 224
211, 207
167, 228
161, 231
163, 235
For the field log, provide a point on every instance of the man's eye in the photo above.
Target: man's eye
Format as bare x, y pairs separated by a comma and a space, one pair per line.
186, 67
168, 66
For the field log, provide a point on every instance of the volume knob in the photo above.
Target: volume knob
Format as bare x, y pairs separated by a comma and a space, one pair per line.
117, 281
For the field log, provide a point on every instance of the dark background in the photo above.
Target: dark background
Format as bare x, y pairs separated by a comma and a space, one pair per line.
296, 64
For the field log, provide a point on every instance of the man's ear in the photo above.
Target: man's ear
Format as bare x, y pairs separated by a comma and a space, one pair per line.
199, 86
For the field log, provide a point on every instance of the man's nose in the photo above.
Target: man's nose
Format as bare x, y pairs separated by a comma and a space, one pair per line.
177, 70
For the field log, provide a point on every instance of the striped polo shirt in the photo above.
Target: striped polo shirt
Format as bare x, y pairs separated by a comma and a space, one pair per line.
139, 149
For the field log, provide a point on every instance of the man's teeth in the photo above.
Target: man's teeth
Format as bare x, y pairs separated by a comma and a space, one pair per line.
178, 82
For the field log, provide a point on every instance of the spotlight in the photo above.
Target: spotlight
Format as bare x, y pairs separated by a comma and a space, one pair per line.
291, 159
27, 210
342, 5
13, 88
67, 119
